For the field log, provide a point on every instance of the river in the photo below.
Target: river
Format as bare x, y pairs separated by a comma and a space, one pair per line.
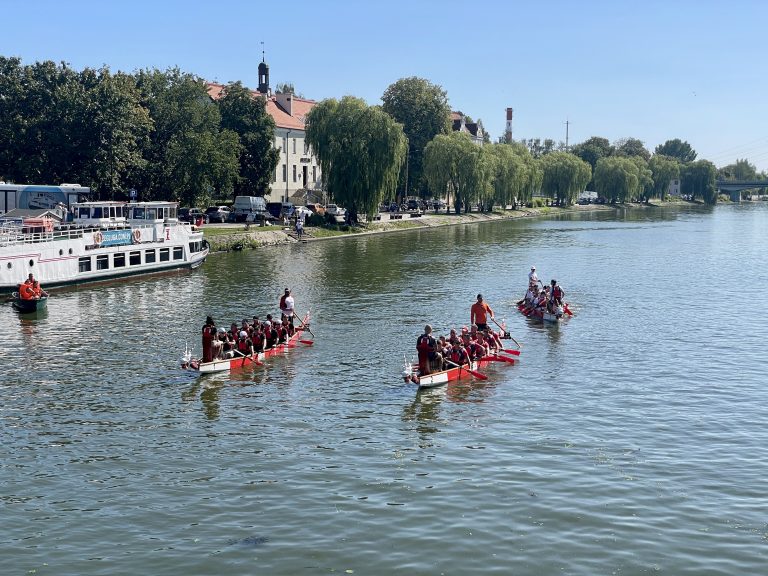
630, 440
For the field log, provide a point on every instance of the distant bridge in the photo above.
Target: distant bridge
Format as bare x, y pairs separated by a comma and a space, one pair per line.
734, 187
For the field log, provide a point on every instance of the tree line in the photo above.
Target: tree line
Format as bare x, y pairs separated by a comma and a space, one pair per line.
161, 133
155, 131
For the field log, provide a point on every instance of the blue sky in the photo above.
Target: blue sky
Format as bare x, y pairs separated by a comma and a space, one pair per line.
652, 70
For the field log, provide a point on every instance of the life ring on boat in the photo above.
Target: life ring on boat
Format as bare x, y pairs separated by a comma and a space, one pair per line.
136, 236
97, 237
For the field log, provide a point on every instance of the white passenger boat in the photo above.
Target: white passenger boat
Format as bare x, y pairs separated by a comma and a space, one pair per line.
102, 241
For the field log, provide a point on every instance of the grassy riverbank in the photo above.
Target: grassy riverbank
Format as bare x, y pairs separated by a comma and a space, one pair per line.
239, 237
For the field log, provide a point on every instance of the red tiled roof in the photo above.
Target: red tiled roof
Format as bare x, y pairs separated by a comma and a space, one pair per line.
300, 107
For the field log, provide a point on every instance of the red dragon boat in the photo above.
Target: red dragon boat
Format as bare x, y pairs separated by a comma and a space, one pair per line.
455, 372
188, 362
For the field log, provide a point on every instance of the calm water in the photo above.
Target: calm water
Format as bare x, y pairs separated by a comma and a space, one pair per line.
632, 440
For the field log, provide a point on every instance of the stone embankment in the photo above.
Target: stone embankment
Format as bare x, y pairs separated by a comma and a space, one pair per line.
241, 238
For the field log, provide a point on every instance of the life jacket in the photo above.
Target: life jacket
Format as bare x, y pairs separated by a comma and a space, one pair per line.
26, 291
557, 293
242, 344
458, 356
425, 344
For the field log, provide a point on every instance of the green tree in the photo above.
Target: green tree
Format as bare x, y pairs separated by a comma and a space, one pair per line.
564, 177
664, 169
740, 170
644, 179
616, 178
361, 151
456, 167
677, 149
591, 150
512, 173
190, 158
422, 108
698, 179
631, 147
248, 118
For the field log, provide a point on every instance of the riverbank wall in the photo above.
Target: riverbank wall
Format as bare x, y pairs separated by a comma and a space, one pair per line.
248, 238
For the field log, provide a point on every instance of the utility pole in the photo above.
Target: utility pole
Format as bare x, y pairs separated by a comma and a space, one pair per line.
567, 124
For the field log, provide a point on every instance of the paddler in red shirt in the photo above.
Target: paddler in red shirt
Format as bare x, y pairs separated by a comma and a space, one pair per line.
479, 313
209, 331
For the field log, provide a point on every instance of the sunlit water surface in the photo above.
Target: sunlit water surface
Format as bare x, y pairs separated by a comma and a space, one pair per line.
631, 440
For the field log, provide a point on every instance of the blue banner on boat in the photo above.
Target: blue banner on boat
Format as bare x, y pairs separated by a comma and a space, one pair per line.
116, 237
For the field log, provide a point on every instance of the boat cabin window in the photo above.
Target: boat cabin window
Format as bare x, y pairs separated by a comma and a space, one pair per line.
178, 253
119, 260
97, 212
138, 213
84, 264
102, 262
83, 212
135, 259
151, 214
150, 256
165, 254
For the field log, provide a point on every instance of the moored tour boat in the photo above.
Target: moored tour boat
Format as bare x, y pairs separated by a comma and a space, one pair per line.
188, 362
103, 240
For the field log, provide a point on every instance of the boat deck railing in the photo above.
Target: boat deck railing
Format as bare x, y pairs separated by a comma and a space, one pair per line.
13, 233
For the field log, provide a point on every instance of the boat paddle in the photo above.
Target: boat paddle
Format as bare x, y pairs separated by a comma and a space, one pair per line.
303, 327
505, 333
566, 309
474, 373
253, 358
499, 358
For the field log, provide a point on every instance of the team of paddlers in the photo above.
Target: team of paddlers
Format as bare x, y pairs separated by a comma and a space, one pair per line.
459, 348
30, 289
251, 336
547, 299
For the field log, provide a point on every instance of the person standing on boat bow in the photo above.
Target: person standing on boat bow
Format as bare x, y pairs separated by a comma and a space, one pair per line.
532, 277
479, 313
209, 332
426, 346
287, 306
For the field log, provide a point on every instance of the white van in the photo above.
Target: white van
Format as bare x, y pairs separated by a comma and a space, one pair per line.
248, 205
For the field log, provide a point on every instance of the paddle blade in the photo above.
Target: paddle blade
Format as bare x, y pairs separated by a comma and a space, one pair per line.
477, 374
567, 310
307, 342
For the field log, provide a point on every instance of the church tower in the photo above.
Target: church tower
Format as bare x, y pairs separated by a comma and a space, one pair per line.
263, 76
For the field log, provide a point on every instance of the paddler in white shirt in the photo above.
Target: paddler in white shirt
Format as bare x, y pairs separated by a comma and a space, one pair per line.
286, 306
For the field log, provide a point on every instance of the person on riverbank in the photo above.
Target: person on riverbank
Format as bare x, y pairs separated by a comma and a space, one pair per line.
479, 312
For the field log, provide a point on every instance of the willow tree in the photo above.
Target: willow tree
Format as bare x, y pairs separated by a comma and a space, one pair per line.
616, 178
361, 150
516, 174
564, 177
456, 167
664, 169
698, 180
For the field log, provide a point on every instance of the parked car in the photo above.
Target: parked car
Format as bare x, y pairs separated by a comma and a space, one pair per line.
217, 213
317, 208
192, 215
336, 211
247, 205
412, 204
302, 212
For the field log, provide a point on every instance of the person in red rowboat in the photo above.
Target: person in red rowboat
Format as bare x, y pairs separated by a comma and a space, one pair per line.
426, 347
287, 306
479, 313
209, 333
532, 277
557, 294
37, 290
244, 344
